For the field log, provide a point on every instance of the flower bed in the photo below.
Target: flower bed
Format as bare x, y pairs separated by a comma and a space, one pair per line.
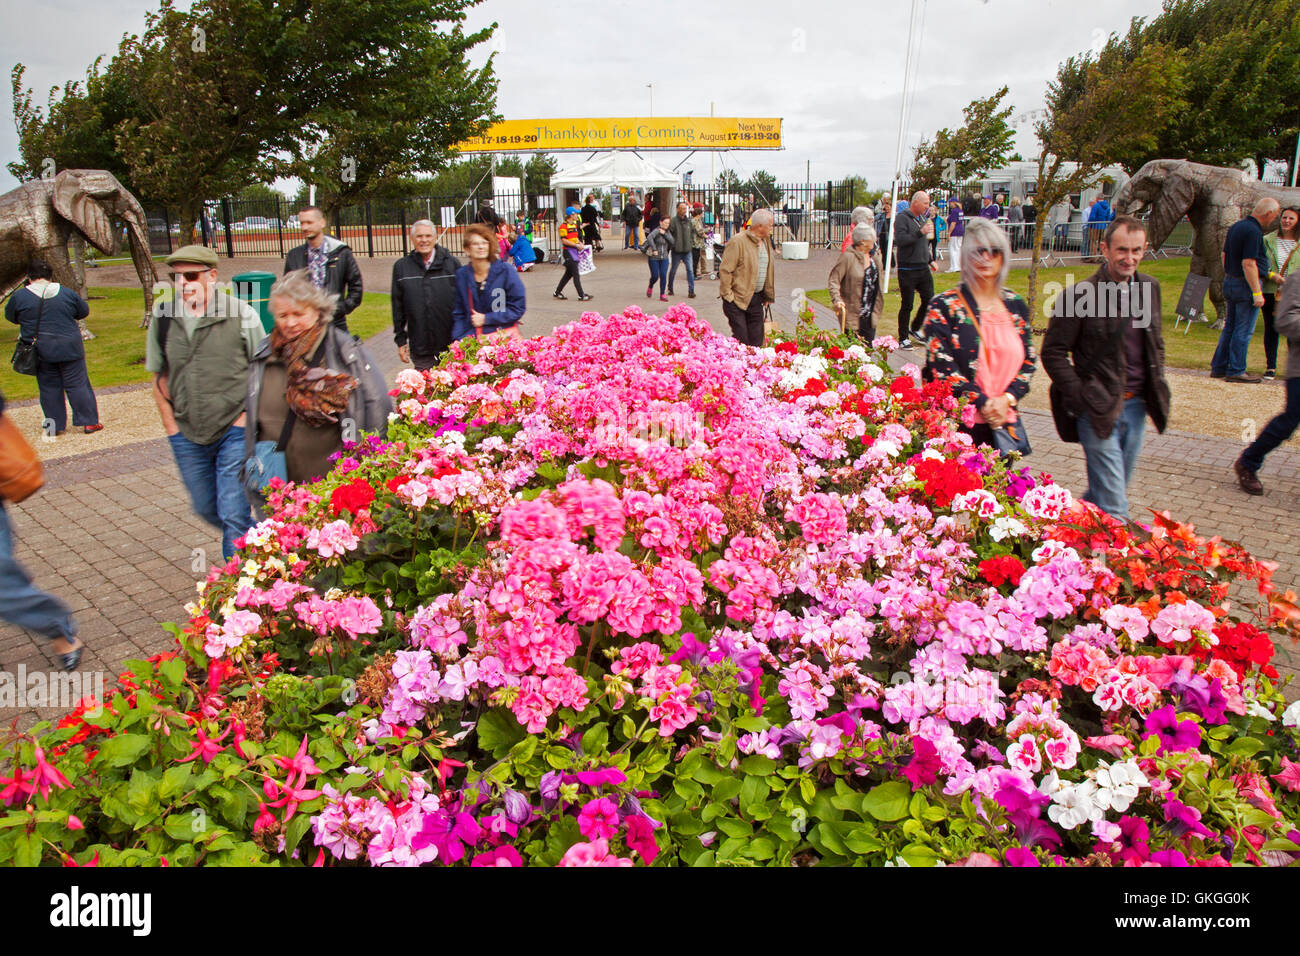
635, 594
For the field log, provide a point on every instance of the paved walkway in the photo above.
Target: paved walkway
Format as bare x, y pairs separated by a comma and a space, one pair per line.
113, 534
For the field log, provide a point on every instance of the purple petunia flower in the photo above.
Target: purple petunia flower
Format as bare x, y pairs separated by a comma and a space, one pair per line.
1174, 734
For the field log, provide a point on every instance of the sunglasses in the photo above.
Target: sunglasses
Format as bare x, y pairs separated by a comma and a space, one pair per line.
984, 253
193, 276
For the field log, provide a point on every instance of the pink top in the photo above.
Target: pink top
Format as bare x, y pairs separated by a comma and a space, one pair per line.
1001, 355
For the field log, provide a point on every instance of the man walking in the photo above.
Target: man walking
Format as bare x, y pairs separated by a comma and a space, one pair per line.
1245, 263
747, 278
329, 263
631, 222
198, 348
1105, 354
913, 230
680, 233
1283, 426
424, 291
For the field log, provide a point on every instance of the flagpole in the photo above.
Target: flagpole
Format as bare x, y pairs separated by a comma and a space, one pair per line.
898, 154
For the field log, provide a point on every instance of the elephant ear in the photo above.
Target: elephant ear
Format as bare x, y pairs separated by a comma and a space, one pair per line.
1175, 199
79, 207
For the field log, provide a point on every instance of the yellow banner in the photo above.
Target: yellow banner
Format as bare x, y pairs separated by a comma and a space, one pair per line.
633, 132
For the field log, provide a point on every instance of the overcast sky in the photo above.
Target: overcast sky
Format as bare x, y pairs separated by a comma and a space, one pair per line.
832, 71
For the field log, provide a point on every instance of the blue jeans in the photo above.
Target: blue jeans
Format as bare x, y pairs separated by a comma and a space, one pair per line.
1111, 460
678, 259
211, 475
1238, 327
1278, 430
726, 231
658, 271
21, 602
629, 237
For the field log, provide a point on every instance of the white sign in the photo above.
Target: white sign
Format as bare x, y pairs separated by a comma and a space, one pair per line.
448, 216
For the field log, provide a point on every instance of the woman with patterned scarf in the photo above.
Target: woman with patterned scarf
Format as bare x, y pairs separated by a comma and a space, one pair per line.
311, 385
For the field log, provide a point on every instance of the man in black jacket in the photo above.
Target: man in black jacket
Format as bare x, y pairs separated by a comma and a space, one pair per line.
591, 223
329, 262
1105, 353
912, 235
423, 293
631, 220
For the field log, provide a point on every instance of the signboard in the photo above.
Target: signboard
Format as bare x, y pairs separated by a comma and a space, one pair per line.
635, 132
1192, 300
448, 214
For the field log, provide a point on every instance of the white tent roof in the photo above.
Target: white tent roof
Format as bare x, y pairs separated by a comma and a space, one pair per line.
615, 169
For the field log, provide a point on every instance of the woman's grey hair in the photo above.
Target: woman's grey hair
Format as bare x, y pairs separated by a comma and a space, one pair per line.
864, 233
983, 234
861, 214
423, 222
297, 287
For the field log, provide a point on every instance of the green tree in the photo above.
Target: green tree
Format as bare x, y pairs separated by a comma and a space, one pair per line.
983, 142
230, 92
728, 181
1095, 110
763, 185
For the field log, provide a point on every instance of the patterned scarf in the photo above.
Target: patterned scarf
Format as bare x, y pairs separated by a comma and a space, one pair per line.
316, 395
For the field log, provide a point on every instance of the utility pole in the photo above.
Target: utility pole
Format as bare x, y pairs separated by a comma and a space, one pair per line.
652, 98
1295, 163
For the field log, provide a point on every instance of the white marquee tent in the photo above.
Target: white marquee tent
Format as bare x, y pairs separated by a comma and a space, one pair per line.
611, 170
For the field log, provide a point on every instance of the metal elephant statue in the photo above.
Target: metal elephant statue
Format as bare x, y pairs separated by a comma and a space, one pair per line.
52, 219
1212, 197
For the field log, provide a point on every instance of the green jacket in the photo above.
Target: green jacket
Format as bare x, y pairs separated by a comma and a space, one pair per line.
207, 370
1275, 264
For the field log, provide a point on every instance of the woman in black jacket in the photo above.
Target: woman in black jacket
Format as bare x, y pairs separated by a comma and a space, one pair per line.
48, 312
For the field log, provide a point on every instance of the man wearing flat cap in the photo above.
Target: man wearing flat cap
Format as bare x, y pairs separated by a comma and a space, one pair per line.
198, 348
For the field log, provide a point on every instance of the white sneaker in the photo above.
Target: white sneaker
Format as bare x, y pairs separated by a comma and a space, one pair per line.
908, 344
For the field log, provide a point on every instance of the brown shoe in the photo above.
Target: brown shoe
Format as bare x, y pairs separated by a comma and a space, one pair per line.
1244, 379
1246, 478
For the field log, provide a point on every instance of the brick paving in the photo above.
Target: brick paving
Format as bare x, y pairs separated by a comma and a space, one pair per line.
113, 534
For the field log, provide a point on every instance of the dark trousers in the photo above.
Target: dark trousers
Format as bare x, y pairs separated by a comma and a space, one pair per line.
678, 258
695, 260
910, 283
867, 327
1270, 331
1276, 431
54, 381
570, 272
747, 323
423, 363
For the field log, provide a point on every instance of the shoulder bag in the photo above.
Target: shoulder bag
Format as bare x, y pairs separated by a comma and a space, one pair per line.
269, 460
25, 359
21, 473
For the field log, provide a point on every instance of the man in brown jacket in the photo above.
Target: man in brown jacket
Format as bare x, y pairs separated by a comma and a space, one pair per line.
747, 278
1105, 353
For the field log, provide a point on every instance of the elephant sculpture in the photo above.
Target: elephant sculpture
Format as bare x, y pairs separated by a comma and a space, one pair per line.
52, 219
1212, 197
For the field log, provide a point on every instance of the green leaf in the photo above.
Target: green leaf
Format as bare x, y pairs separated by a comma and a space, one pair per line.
728, 789
295, 831
174, 779
761, 848
172, 673
759, 765
560, 758
180, 827
752, 723
498, 731
888, 801
595, 739
917, 854
859, 838
27, 850
1245, 747
124, 749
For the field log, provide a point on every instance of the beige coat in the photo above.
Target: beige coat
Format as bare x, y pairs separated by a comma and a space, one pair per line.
846, 284
738, 273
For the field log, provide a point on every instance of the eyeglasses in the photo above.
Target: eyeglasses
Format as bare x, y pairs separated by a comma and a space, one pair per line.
983, 253
191, 276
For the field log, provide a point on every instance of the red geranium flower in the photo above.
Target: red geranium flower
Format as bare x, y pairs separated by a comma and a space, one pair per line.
355, 497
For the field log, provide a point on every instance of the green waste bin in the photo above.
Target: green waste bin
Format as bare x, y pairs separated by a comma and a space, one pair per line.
254, 288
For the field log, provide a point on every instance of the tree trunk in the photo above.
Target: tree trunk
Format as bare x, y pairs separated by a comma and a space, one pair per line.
190, 210
1040, 221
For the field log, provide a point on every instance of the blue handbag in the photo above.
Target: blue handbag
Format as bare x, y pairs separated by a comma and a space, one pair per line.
269, 459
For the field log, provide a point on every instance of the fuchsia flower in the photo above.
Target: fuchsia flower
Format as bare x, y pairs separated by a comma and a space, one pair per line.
205, 748
598, 820
501, 856
595, 853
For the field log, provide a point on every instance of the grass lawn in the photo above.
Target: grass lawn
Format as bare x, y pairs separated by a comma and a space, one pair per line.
116, 355
1192, 349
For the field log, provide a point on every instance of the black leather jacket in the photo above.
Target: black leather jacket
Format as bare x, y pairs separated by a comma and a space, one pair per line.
423, 300
342, 275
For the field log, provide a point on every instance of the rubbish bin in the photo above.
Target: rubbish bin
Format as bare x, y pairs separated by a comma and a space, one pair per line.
254, 288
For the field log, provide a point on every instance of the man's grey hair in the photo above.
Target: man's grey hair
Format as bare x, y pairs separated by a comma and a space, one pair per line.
861, 214
918, 194
762, 217
1266, 206
296, 287
423, 222
863, 232
981, 233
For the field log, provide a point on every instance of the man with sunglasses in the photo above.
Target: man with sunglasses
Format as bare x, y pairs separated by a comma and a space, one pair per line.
198, 348
1105, 354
